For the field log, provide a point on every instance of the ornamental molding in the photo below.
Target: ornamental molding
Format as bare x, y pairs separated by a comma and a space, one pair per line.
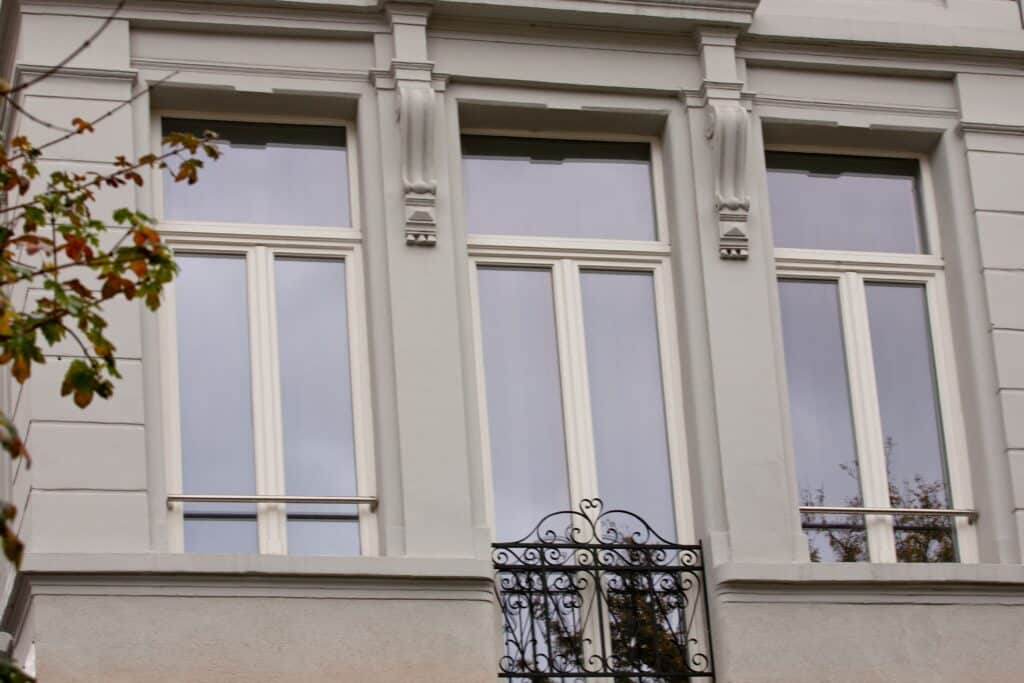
852, 106
728, 130
26, 71
966, 127
416, 114
261, 70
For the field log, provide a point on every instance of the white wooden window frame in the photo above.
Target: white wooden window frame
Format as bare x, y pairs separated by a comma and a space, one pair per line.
851, 271
564, 258
259, 245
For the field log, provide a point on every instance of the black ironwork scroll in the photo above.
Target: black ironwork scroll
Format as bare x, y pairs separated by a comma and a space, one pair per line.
598, 593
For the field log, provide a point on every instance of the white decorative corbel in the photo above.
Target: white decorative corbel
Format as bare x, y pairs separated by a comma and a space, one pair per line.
416, 121
728, 128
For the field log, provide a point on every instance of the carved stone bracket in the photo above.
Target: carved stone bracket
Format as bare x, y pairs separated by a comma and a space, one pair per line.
416, 120
728, 129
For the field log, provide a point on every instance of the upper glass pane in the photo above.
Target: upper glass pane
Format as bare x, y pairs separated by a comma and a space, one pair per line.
847, 203
316, 403
911, 424
216, 401
822, 419
263, 170
558, 188
524, 398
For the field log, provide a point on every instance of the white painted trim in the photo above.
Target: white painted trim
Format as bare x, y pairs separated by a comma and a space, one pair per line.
672, 395
362, 399
481, 392
351, 155
260, 244
657, 189
265, 354
862, 261
292, 119
951, 411
852, 269
563, 258
171, 416
864, 397
574, 372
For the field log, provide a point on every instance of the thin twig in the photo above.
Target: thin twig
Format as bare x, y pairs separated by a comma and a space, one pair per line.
75, 336
96, 181
106, 115
77, 51
32, 117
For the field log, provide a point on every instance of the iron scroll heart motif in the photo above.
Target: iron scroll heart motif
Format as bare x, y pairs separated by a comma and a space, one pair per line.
595, 593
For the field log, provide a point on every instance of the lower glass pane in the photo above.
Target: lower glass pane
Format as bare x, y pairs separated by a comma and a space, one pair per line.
626, 397
324, 535
824, 445
911, 421
836, 538
524, 398
316, 403
210, 534
214, 373
925, 539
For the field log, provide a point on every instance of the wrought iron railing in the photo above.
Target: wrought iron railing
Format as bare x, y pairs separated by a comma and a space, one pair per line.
598, 594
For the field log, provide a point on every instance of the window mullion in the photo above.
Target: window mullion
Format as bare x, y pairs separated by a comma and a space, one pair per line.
867, 418
169, 378
672, 392
267, 440
579, 436
958, 472
366, 483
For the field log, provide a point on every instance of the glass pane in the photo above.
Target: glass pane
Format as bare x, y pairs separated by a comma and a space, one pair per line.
264, 167
524, 398
336, 534
221, 534
850, 203
911, 423
627, 402
822, 420
316, 402
216, 400
558, 188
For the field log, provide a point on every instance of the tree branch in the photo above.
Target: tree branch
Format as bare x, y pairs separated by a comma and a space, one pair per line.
32, 117
69, 133
74, 53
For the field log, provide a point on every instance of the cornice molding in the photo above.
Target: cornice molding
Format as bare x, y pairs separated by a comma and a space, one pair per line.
31, 70
841, 105
989, 128
881, 57
248, 69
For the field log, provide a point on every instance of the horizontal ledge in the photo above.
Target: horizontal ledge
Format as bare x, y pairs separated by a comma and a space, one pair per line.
938, 580
971, 515
302, 500
146, 572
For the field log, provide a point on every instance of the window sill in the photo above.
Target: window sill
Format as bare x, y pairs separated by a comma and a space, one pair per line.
254, 565
866, 582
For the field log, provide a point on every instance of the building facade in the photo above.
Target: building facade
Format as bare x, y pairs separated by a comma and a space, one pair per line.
732, 265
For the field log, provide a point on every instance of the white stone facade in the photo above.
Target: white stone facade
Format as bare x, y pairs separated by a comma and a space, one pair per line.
106, 593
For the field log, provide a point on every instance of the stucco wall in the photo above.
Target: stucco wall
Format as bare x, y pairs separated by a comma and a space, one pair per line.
941, 79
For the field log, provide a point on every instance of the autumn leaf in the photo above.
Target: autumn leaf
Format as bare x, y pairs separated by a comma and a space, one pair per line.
82, 125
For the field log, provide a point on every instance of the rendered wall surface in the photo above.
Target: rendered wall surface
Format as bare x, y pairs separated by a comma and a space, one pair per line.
102, 596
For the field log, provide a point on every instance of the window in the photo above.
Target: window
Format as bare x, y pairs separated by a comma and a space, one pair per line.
265, 345
872, 390
577, 358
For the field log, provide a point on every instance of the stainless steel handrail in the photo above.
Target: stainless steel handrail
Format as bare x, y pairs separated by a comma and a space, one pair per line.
971, 515
303, 500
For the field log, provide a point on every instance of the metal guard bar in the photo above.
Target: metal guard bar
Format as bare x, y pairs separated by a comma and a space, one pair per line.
304, 500
971, 515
